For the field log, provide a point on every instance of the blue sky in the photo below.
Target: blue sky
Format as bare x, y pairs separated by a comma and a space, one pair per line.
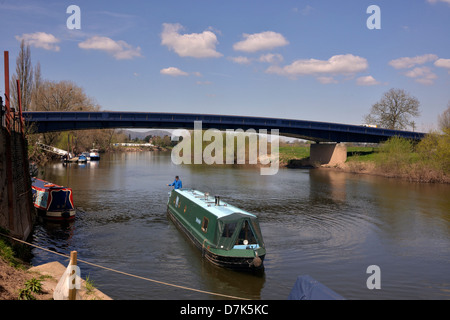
312, 60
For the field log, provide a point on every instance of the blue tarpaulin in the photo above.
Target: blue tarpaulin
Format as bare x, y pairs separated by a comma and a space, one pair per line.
307, 288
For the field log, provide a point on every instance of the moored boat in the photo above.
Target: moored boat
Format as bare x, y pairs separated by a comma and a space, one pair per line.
94, 155
87, 155
52, 201
82, 158
227, 236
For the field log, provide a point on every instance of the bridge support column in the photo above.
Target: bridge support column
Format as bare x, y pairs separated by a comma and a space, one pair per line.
329, 154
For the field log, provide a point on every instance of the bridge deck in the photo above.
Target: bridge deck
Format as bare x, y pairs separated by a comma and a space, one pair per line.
310, 130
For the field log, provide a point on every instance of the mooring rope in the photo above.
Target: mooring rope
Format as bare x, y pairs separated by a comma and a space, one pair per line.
126, 273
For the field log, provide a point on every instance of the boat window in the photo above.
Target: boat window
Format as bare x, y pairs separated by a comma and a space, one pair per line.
205, 224
228, 230
246, 235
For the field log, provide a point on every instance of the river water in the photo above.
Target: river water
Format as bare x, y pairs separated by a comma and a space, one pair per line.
326, 224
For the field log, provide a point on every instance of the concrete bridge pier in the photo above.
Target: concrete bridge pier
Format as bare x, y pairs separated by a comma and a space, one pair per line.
329, 154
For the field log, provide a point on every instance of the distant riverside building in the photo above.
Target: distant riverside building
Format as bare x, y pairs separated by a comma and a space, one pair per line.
127, 144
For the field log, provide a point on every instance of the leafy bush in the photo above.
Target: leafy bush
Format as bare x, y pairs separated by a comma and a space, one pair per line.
34, 285
434, 151
25, 294
395, 155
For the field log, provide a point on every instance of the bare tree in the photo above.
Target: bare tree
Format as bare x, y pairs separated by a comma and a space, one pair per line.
24, 73
444, 119
394, 110
63, 96
37, 86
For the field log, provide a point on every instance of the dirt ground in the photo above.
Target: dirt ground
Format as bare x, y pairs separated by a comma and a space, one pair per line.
12, 280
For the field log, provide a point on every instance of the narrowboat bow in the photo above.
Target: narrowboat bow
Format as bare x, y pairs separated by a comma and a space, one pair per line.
52, 201
227, 236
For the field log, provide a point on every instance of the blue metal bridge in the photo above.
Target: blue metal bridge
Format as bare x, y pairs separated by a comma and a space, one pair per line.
309, 130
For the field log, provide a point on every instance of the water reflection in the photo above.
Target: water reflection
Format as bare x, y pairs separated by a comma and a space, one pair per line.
327, 184
324, 223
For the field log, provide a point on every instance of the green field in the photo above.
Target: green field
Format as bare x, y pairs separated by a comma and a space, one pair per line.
425, 161
361, 153
293, 152
301, 152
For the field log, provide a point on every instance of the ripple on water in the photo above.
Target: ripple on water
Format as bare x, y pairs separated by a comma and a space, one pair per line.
319, 223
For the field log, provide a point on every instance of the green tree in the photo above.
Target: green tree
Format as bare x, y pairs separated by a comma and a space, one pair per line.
395, 155
444, 119
148, 138
434, 150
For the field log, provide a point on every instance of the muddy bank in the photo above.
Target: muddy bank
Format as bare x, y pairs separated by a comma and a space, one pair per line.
412, 173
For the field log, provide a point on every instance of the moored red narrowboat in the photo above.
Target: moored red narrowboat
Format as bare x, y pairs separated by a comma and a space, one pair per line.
52, 201
226, 235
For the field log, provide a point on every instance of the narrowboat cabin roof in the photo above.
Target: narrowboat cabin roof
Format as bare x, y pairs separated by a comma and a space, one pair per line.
42, 184
227, 235
52, 200
204, 200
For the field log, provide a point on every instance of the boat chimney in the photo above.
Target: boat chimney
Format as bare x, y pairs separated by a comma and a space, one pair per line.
217, 201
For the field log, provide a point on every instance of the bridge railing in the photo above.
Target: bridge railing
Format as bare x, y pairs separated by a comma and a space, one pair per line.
311, 130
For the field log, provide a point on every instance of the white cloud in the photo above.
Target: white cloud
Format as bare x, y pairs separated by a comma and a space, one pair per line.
260, 41
409, 62
307, 10
327, 80
367, 81
340, 64
422, 75
443, 63
436, 1
204, 83
120, 50
42, 40
241, 60
174, 72
271, 58
196, 45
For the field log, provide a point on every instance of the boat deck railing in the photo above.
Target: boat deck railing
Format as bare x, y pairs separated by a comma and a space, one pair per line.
213, 203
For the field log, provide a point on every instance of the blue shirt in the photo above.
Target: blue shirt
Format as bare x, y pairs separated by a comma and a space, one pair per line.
176, 184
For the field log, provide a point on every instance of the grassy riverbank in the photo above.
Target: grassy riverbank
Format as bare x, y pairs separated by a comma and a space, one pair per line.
302, 152
427, 161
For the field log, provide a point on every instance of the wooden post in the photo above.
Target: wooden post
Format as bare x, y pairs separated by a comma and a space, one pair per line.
7, 102
73, 262
8, 138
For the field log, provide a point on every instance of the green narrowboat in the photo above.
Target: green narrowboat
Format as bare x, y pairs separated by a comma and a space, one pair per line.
227, 236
